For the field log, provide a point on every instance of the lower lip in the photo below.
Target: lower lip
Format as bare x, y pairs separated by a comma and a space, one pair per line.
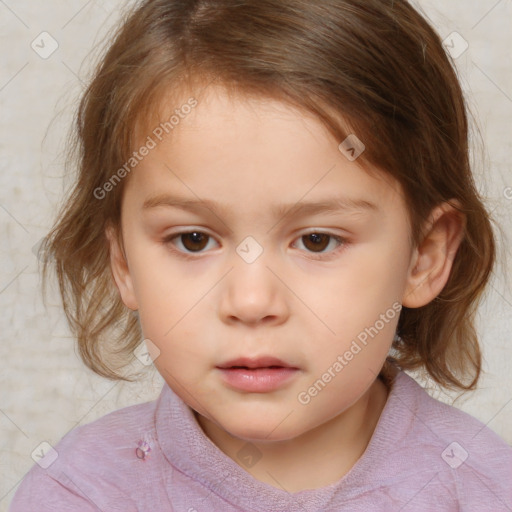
258, 380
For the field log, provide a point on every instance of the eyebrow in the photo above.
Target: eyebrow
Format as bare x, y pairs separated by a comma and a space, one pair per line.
328, 205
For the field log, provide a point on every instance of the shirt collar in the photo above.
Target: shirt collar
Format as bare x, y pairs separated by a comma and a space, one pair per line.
188, 449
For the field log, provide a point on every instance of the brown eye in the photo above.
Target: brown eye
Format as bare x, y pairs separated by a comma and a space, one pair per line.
316, 242
194, 241
188, 242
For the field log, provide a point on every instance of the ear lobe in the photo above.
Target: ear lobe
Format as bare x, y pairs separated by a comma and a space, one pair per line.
120, 270
432, 260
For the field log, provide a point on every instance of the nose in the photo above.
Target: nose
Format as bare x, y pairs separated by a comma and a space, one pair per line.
253, 293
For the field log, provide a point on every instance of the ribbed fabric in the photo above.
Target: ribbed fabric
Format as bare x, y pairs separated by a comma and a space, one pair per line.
412, 463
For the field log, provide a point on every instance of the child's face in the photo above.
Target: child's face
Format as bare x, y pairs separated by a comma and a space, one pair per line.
328, 310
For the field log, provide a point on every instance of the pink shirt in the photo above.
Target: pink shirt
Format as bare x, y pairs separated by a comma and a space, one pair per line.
423, 456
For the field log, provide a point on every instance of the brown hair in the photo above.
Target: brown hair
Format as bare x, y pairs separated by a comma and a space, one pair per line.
376, 63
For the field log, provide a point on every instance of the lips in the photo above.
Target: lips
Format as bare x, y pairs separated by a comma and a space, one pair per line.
260, 362
257, 375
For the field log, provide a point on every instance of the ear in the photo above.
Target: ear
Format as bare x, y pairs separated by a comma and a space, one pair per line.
432, 260
120, 270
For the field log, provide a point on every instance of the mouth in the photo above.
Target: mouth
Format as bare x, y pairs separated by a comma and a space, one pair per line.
260, 375
254, 364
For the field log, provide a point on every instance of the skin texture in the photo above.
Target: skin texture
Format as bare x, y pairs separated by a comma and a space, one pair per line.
202, 304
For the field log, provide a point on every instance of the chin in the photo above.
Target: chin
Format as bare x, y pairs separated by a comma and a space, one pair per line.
264, 431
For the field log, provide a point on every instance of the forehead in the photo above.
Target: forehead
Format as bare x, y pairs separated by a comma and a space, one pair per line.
247, 144
214, 99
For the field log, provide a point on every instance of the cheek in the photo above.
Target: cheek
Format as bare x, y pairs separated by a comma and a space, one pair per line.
157, 286
362, 306
346, 370
354, 296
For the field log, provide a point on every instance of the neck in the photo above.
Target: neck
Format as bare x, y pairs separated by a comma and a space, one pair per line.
287, 464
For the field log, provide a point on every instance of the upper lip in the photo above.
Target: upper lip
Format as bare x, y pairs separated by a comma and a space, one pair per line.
259, 362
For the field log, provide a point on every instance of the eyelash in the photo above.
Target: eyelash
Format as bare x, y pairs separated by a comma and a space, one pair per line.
190, 255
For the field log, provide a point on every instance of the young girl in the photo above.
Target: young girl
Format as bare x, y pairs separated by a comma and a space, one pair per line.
275, 195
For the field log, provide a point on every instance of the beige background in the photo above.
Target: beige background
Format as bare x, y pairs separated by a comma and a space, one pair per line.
45, 389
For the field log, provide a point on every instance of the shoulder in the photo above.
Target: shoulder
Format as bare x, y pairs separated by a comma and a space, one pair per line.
108, 445
448, 423
113, 429
108, 435
92, 462
462, 453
